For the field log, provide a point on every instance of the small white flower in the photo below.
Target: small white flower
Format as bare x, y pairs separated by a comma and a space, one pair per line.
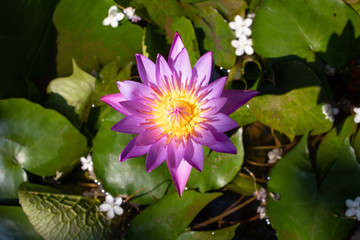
329, 111
274, 155
240, 26
329, 70
113, 17
357, 115
242, 45
261, 195
261, 212
112, 206
87, 163
130, 13
353, 208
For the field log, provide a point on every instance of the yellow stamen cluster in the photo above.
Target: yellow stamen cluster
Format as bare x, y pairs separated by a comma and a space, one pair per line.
176, 110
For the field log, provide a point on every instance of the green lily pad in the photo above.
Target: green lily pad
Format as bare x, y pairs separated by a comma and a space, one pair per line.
71, 95
294, 107
243, 116
356, 145
40, 140
11, 220
283, 28
169, 216
332, 143
219, 168
218, 34
222, 234
55, 215
308, 209
125, 177
82, 36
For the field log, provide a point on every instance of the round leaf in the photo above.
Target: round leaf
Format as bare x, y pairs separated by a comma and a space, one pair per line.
169, 216
295, 106
75, 90
82, 36
38, 139
223, 234
283, 28
11, 220
308, 209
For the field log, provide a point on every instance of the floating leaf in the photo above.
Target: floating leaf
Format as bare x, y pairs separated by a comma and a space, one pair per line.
283, 28
82, 36
38, 139
308, 209
55, 215
332, 143
218, 34
219, 168
125, 177
169, 216
72, 93
356, 144
161, 12
295, 106
222, 234
243, 116
14, 224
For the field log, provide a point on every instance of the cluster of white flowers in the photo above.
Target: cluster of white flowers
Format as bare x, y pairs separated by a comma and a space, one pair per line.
357, 114
87, 163
114, 16
353, 208
329, 112
112, 206
274, 155
241, 27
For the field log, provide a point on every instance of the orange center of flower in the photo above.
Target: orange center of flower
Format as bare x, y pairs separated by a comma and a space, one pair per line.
177, 112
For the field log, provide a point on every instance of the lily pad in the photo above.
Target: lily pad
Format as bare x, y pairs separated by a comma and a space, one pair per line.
223, 234
55, 215
219, 168
307, 208
169, 216
82, 36
218, 35
294, 107
11, 220
125, 177
356, 144
40, 140
283, 28
332, 143
72, 93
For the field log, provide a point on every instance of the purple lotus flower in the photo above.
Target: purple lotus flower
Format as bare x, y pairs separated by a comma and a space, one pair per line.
175, 111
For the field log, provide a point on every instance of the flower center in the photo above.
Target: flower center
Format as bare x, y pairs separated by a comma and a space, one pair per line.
177, 113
